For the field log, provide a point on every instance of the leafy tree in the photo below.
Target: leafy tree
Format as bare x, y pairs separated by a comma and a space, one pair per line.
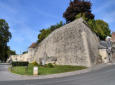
78, 7
25, 52
45, 32
5, 36
102, 29
10, 52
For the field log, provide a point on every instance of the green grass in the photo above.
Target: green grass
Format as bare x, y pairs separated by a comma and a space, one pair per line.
45, 70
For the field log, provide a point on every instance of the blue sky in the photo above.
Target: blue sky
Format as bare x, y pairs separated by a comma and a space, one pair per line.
27, 17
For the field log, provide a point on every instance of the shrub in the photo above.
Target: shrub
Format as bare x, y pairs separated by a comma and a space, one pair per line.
35, 63
20, 63
50, 65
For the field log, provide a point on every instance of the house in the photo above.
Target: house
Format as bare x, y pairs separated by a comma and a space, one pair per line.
103, 51
113, 45
113, 36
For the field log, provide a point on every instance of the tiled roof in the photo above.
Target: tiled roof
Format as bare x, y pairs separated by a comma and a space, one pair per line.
33, 45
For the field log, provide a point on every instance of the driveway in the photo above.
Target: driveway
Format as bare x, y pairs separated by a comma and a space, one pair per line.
5, 75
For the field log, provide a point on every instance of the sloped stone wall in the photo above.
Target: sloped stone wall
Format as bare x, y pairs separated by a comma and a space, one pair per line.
72, 44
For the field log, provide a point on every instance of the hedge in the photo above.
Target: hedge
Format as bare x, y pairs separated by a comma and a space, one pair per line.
20, 63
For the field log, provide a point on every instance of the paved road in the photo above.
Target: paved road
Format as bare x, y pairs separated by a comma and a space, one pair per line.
104, 76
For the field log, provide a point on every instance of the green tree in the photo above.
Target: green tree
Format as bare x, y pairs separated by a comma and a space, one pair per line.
5, 36
10, 52
25, 52
78, 7
45, 32
102, 29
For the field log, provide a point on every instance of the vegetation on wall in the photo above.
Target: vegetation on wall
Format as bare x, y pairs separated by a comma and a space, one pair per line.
77, 9
45, 32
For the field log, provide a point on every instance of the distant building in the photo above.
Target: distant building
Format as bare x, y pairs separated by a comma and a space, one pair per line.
113, 37
113, 45
33, 45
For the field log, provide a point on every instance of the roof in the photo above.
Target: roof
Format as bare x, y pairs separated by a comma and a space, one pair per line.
103, 45
33, 45
113, 36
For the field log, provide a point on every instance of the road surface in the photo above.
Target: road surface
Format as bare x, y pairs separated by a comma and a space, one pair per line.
104, 76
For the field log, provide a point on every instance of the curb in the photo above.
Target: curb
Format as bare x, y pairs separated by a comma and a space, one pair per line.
59, 75
66, 74
4, 64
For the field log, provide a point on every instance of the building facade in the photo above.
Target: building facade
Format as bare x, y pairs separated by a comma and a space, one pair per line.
113, 37
113, 45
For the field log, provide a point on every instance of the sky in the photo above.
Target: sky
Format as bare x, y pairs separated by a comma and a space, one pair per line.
27, 17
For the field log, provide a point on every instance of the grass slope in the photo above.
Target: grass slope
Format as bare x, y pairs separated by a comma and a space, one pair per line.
44, 70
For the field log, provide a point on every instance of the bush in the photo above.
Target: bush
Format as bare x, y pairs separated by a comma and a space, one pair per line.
20, 63
35, 63
50, 65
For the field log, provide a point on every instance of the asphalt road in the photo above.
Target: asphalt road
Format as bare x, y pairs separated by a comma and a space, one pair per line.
104, 76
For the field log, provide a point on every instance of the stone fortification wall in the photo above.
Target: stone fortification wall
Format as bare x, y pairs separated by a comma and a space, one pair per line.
29, 56
72, 44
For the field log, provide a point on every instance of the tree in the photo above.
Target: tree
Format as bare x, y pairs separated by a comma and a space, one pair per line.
78, 7
102, 29
10, 52
25, 52
5, 36
45, 32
